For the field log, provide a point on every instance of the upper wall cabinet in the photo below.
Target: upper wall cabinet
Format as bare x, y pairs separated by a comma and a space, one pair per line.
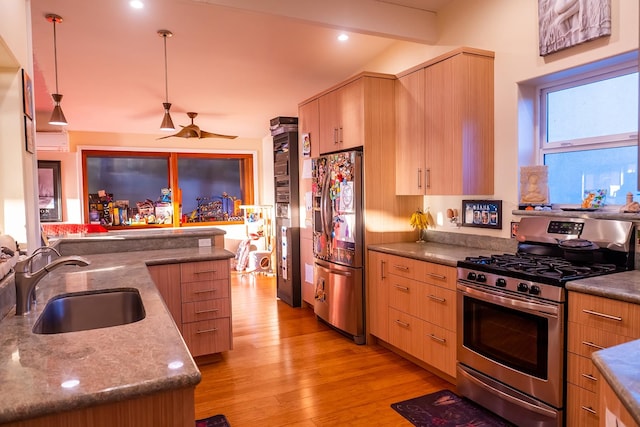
444, 113
342, 117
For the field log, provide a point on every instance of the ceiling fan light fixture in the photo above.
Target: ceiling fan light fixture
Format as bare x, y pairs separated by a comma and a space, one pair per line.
57, 116
167, 123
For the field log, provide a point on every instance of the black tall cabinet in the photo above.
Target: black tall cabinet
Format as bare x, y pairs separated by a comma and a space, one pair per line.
285, 161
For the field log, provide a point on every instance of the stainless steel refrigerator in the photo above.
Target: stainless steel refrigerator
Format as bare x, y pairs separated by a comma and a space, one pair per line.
338, 242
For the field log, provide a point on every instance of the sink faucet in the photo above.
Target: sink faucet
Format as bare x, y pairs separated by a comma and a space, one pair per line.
26, 281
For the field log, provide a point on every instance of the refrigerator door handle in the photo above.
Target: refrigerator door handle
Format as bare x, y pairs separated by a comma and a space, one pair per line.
325, 208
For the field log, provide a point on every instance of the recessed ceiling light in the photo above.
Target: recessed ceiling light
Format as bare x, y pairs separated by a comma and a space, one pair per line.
136, 4
343, 37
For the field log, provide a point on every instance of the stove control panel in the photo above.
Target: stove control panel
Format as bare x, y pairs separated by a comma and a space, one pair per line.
565, 227
511, 284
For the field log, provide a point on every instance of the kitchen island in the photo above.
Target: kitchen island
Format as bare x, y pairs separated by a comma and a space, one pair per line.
141, 372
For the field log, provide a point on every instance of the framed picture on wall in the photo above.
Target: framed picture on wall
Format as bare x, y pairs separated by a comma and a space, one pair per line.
49, 191
566, 23
29, 135
482, 213
27, 95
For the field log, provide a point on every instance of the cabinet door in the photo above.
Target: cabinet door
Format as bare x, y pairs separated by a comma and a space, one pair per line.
378, 295
328, 117
167, 279
439, 348
410, 134
351, 100
459, 125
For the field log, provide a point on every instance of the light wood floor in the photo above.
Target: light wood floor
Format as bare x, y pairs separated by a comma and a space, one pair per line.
288, 369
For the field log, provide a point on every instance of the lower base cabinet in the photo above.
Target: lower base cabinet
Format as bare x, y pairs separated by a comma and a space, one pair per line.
412, 306
198, 295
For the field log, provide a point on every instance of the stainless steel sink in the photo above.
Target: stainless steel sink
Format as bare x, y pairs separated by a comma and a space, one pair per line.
82, 311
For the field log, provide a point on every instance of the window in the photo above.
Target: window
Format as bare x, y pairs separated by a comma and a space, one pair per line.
589, 134
126, 188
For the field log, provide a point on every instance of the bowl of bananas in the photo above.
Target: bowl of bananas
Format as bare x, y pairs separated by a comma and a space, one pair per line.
421, 221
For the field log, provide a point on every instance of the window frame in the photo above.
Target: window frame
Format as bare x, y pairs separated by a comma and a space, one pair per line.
594, 74
247, 180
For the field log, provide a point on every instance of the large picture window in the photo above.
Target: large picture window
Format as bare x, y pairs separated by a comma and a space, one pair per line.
123, 188
589, 134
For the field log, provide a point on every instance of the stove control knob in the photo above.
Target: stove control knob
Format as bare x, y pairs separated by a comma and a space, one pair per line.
482, 278
523, 287
534, 290
501, 282
471, 276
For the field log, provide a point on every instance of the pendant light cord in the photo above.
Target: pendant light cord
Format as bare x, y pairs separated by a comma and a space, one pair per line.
55, 52
166, 76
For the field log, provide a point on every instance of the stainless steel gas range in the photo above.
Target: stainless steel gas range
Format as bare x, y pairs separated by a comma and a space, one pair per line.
512, 313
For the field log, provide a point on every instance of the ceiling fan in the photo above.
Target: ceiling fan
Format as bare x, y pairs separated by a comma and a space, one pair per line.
193, 131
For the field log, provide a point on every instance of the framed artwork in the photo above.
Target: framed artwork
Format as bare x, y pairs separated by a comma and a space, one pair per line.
306, 145
566, 23
49, 191
482, 213
29, 135
27, 95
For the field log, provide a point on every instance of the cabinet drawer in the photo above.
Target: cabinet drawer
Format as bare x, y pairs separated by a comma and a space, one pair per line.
204, 270
440, 275
405, 332
205, 310
208, 336
439, 348
438, 306
404, 267
404, 294
614, 316
582, 372
582, 407
584, 340
199, 291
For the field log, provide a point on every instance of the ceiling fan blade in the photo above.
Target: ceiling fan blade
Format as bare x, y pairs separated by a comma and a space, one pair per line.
185, 132
204, 134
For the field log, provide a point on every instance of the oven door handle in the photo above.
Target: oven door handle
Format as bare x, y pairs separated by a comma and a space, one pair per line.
508, 301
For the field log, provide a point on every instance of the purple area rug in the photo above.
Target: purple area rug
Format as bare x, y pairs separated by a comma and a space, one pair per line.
445, 409
215, 421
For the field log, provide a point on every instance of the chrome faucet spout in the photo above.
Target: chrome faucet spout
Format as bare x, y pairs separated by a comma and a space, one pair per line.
26, 281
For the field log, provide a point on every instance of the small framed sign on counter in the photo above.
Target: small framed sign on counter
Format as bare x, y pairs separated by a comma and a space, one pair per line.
482, 213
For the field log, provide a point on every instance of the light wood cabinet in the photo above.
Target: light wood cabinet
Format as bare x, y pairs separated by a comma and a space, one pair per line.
341, 115
594, 323
308, 127
420, 302
198, 296
445, 135
614, 412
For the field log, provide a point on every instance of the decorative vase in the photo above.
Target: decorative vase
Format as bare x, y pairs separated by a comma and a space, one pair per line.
420, 239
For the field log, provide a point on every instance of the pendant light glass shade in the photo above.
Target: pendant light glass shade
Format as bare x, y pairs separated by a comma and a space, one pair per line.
57, 116
167, 123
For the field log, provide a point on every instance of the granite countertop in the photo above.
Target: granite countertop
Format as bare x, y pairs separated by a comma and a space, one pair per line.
111, 364
438, 253
623, 286
620, 367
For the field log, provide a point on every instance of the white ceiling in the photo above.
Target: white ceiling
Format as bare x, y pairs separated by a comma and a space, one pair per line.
236, 66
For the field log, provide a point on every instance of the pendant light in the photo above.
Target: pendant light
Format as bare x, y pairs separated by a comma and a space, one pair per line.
57, 116
167, 123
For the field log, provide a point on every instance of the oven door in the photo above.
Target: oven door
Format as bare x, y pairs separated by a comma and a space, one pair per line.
514, 339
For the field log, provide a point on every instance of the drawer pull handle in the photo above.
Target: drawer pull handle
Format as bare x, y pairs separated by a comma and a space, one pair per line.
401, 323
435, 338
205, 331
435, 298
590, 344
589, 377
437, 276
382, 263
606, 316
205, 271
204, 291
590, 410
402, 288
213, 310
401, 267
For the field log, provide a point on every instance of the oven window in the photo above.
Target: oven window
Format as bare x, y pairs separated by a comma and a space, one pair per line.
507, 336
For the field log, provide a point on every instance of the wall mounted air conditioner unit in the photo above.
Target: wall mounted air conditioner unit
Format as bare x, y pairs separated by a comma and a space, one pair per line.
52, 141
